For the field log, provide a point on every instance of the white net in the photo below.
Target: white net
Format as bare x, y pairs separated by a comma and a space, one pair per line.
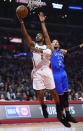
32, 4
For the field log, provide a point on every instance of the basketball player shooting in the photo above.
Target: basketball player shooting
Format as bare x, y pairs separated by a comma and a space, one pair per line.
41, 74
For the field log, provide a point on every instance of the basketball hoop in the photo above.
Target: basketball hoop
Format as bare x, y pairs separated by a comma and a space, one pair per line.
33, 4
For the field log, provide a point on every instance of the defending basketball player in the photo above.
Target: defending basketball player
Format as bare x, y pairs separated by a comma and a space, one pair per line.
60, 76
61, 80
41, 73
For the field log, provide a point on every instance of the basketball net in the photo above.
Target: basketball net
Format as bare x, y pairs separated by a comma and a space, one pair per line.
33, 4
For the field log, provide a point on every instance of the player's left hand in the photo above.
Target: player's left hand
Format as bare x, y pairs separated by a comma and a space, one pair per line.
81, 46
42, 17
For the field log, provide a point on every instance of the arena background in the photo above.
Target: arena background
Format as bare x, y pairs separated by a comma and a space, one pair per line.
64, 22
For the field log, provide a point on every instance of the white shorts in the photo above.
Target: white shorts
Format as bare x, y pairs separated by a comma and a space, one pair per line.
43, 79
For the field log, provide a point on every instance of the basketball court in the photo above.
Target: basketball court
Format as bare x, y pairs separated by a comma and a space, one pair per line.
54, 126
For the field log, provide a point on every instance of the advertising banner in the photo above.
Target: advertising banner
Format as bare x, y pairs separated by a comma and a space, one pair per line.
35, 111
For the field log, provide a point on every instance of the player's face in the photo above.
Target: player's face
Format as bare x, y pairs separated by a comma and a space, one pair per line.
39, 37
55, 44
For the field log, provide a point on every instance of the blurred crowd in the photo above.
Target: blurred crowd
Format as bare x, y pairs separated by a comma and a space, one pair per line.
16, 82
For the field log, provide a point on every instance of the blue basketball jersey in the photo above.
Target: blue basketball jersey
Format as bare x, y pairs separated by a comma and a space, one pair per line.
59, 73
57, 60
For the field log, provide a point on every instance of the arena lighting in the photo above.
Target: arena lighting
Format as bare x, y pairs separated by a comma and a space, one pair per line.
20, 54
7, 0
57, 6
16, 40
75, 7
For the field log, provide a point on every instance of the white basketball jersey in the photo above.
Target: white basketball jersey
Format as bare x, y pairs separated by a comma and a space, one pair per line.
41, 59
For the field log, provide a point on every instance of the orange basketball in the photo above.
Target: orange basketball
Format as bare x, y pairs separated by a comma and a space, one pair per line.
21, 11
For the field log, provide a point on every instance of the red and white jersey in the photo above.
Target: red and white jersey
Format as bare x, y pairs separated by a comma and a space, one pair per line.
42, 74
41, 59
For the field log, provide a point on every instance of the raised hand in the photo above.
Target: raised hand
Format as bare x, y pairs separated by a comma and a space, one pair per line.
20, 19
42, 17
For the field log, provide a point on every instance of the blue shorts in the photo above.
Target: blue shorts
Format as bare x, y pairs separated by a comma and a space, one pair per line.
61, 82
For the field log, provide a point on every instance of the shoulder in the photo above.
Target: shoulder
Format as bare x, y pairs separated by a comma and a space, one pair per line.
47, 51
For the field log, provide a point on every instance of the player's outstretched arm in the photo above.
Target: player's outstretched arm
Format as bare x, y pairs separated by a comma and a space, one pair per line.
28, 38
70, 50
26, 35
75, 48
42, 18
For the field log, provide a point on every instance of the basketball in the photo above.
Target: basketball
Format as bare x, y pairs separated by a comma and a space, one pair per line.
22, 11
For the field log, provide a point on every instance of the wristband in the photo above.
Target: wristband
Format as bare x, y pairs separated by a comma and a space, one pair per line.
42, 21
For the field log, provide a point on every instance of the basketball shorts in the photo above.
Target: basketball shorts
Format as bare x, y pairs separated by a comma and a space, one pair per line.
43, 79
61, 81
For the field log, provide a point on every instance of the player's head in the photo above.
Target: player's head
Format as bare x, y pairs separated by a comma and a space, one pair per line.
56, 44
39, 38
